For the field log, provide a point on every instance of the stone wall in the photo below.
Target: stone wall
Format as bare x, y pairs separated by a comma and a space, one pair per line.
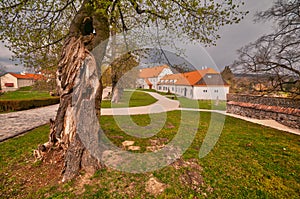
284, 110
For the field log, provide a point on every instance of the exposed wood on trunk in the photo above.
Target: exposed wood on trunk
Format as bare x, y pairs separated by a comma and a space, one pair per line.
72, 65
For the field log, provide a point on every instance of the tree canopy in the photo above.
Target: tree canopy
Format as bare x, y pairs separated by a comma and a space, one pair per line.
277, 54
35, 30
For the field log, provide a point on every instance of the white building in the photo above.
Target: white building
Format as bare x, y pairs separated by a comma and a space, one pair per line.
204, 84
149, 77
14, 81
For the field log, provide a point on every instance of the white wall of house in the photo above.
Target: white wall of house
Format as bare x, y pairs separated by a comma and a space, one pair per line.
17, 83
197, 92
25, 82
211, 92
8, 78
154, 80
141, 83
164, 72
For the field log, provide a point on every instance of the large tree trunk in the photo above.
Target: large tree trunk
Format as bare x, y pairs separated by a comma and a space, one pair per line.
78, 74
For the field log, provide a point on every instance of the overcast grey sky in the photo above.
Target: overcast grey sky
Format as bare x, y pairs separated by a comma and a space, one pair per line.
232, 37
236, 36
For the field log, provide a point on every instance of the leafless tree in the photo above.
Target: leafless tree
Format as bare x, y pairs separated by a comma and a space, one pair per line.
276, 55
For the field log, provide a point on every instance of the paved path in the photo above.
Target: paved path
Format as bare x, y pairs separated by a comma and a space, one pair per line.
17, 123
268, 123
163, 104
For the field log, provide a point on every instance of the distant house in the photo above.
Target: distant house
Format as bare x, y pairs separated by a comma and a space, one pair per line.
13, 81
204, 84
149, 77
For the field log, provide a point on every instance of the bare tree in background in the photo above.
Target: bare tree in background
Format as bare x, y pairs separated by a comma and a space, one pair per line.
276, 56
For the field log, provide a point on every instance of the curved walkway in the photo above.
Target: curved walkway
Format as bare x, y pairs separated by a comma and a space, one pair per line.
17, 123
162, 104
269, 123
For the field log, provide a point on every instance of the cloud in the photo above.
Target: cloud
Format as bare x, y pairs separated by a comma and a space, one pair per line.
4, 52
236, 36
5, 61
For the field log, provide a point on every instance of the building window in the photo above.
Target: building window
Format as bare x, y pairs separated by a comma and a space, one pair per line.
216, 91
204, 91
9, 84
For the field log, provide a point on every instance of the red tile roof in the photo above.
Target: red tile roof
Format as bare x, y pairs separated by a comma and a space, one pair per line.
189, 78
27, 76
152, 72
148, 82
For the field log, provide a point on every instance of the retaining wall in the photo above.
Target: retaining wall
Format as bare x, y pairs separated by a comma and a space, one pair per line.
284, 110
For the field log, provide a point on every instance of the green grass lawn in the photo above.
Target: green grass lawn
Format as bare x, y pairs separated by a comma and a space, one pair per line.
202, 104
197, 104
248, 161
135, 99
25, 93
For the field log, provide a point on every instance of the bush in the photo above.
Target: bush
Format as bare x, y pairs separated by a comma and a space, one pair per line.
18, 105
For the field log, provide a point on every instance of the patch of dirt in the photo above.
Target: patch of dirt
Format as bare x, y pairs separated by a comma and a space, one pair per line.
191, 163
157, 144
192, 177
30, 177
170, 126
154, 187
82, 180
159, 141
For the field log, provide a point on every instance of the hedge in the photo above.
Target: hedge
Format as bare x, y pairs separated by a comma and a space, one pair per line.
18, 105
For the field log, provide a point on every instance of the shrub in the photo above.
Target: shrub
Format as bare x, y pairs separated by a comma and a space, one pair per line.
18, 105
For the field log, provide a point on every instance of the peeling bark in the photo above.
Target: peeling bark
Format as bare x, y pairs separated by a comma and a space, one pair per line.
77, 48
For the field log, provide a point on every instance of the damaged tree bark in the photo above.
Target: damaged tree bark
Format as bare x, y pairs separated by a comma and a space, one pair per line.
89, 31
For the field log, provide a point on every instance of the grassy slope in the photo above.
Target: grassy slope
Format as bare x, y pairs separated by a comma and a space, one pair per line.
202, 104
249, 161
135, 99
25, 93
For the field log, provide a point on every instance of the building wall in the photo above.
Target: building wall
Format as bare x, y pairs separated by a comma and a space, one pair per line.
211, 92
166, 71
8, 78
25, 82
154, 80
191, 92
141, 83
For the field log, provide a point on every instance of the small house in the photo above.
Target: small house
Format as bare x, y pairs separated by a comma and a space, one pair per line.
149, 77
13, 81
